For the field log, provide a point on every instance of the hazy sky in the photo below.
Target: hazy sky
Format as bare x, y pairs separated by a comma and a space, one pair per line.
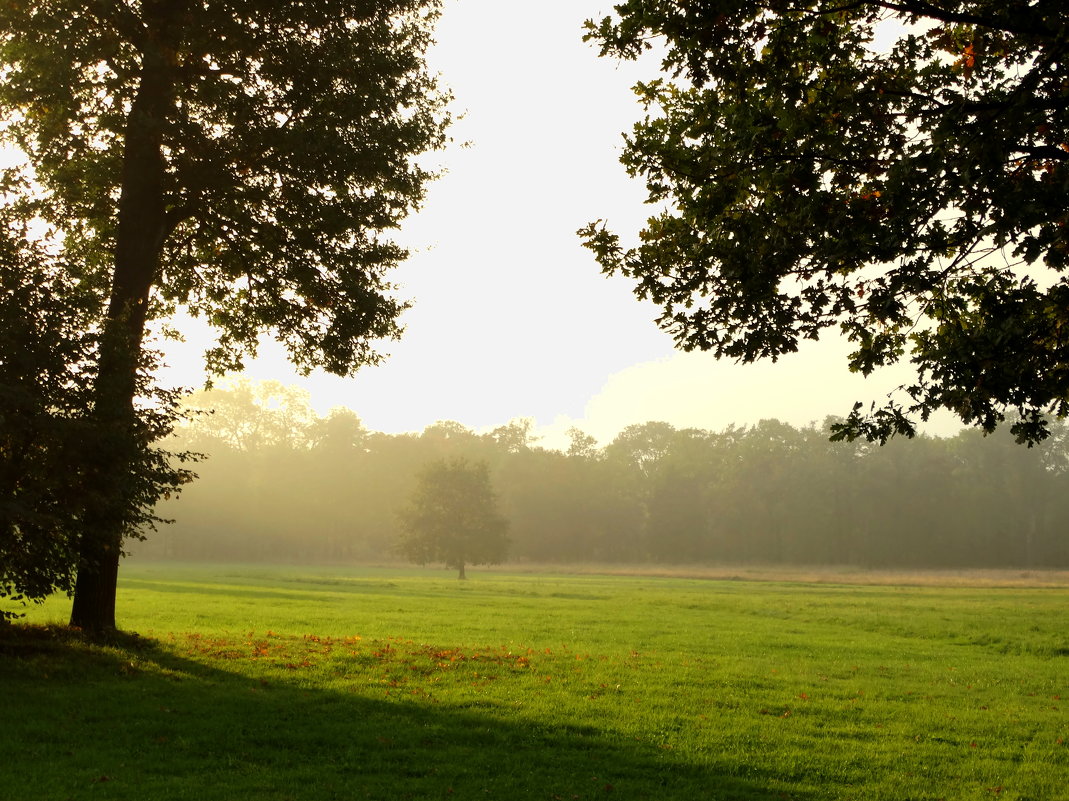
512, 317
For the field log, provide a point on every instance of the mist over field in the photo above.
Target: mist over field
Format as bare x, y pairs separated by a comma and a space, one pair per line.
284, 484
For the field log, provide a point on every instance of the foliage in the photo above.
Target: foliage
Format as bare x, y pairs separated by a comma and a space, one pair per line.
49, 443
44, 390
894, 169
453, 517
535, 686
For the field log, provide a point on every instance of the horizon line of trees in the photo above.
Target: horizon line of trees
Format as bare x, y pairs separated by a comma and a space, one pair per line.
284, 484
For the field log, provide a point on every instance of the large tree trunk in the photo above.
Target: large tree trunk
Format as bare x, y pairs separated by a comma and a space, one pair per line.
142, 220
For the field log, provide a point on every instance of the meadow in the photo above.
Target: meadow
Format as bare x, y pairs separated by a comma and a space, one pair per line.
254, 682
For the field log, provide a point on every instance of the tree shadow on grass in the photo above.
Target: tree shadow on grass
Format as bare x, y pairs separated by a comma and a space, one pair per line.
133, 720
229, 590
319, 590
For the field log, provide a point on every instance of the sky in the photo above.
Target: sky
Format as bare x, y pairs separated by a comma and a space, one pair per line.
511, 316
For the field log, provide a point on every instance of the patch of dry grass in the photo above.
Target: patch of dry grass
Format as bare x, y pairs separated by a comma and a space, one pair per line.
817, 574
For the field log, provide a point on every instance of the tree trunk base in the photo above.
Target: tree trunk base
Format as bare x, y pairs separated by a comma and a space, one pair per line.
94, 595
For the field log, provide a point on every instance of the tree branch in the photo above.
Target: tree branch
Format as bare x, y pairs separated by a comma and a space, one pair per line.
125, 20
925, 9
922, 8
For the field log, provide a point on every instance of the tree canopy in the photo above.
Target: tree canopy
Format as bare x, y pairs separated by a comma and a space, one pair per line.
242, 159
453, 517
896, 169
279, 140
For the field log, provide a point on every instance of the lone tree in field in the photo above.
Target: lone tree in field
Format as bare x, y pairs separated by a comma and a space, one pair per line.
453, 518
241, 159
897, 169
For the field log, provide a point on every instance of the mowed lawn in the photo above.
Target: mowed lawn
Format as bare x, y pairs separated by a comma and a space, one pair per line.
330, 683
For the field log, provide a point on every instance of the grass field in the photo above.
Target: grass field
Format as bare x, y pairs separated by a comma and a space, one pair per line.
298, 683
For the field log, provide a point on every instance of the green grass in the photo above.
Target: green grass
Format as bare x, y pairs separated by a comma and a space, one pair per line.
297, 683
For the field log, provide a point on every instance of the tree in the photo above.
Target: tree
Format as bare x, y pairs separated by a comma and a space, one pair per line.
453, 517
49, 448
240, 158
894, 168
246, 415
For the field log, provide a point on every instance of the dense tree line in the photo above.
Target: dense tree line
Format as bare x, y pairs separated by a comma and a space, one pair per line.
284, 484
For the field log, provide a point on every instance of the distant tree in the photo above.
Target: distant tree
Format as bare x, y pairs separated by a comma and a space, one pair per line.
1012, 493
582, 445
244, 159
641, 446
250, 415
514, 437
680, 524
337, 466
447, 438
909, 195
453, 517
340, 433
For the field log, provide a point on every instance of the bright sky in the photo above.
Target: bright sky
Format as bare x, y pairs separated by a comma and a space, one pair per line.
512, 317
